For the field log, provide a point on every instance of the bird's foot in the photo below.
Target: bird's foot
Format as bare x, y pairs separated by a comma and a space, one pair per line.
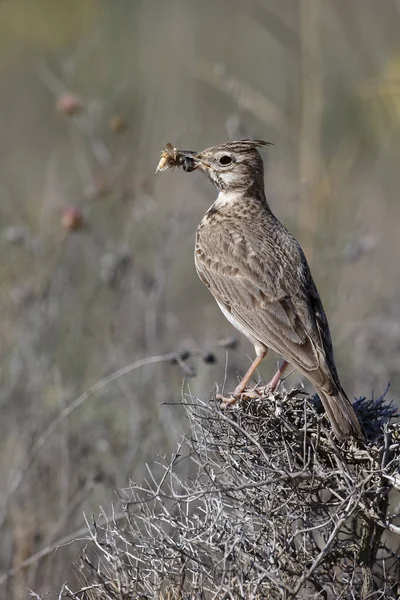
247, 394
261, 391
258, 391
227, 400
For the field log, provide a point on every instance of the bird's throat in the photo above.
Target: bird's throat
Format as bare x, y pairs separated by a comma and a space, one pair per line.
226, 199
232, 201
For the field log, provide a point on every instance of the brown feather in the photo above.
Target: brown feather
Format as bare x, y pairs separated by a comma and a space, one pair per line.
259, 276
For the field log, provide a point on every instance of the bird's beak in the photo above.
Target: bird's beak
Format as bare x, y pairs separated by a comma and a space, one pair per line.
200, 163
196, 160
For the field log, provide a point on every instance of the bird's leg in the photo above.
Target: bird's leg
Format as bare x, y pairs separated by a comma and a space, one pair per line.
240, 388
257, 391
273, 384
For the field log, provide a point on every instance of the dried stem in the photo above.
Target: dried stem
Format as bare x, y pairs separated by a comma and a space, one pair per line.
273, 509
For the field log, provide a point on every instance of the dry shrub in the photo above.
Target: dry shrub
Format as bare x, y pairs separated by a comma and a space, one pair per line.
273, 508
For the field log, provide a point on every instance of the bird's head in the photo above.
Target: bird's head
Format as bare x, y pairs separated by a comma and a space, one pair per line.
234, 166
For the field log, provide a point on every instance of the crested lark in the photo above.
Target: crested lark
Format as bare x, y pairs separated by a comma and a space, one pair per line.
259, 276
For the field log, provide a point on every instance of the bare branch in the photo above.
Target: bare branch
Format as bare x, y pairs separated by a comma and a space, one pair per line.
272, 508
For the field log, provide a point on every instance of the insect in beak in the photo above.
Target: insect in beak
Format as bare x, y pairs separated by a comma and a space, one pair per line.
169, 156
188, 160
173, 157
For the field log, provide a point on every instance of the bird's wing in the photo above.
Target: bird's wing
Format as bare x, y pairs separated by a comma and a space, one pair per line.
254, 292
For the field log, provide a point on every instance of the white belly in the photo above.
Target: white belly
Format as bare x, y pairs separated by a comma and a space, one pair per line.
257, 345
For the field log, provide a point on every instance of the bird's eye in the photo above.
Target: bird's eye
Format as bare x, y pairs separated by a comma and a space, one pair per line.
225, 160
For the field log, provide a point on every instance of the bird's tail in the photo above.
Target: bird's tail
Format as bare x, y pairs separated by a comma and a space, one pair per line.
341, 414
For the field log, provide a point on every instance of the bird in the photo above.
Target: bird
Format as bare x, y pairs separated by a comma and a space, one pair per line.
259, 276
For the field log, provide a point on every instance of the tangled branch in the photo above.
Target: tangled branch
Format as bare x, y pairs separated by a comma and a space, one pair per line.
272, 508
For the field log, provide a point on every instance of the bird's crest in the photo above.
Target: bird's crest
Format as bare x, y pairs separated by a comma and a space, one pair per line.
239, 146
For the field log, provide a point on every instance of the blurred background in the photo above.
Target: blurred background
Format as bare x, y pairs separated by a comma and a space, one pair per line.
96, 268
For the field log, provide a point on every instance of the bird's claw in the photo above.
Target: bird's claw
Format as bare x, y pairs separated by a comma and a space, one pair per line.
261, 391
227, 400
248, 394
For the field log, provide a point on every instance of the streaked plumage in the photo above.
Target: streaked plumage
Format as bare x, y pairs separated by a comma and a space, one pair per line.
260, 278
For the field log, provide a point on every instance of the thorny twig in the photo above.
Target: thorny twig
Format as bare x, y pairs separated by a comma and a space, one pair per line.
273, 509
